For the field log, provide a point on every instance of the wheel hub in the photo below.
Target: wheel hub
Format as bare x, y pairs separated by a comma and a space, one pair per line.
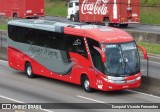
29, 70
86, 84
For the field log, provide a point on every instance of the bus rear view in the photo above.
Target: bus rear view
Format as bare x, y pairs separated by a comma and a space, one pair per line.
93, 56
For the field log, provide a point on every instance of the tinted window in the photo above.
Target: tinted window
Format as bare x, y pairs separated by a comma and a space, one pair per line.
70, 5
76, 44
42, 38
30, 36
30, 33
17, 33
21, 34
96, 57
48, 39
77, 4
58, 41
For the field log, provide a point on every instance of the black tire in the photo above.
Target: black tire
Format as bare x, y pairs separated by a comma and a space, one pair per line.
76, 17
106, 21
29, 70
72, 18
15, 16
111, 24
86, 84
123, 25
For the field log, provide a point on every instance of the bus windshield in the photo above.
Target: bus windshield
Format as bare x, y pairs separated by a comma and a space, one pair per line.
122, 59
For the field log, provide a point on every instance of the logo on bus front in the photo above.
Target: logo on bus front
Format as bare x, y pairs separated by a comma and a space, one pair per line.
98, 7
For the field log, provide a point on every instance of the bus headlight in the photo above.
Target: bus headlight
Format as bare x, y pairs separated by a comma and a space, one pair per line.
138, 78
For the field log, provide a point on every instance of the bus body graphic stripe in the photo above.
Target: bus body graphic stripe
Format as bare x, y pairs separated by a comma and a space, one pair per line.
47, 57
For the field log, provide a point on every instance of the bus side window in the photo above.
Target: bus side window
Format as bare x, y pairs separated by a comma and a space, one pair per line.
96, 57
17, 33
30, 35
57, 41
76, 44
12, 31
21, 34
42, 38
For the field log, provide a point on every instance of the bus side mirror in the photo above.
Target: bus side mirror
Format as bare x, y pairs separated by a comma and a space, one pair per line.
144, 51
103, 56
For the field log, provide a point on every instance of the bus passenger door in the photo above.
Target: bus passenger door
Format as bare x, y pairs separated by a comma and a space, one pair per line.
96, 62
78, 55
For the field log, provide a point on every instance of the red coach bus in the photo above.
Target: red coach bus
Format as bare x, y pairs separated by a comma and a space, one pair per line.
96, 57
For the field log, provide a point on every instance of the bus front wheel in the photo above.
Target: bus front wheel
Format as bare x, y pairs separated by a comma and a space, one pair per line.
86, 84
29, 70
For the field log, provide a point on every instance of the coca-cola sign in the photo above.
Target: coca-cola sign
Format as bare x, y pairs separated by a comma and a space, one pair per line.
97, 7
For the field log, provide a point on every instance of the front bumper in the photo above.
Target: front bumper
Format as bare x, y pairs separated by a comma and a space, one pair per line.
114, 87
120, 83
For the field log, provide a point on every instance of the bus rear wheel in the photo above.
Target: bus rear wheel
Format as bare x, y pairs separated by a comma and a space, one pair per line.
86, 84
29, 70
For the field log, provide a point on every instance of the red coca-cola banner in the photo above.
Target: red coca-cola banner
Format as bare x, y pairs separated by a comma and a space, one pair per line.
98, 7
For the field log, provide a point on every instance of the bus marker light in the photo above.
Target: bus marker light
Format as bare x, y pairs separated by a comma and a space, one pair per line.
126, 86
138, 78
110, 87
100, 86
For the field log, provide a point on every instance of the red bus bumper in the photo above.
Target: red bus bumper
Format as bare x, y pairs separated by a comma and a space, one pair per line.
114, 87
129, 82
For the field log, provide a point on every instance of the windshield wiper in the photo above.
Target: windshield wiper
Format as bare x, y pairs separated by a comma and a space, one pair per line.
127, 65
116, 73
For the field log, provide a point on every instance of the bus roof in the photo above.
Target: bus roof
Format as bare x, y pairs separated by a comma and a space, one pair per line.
103, 34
